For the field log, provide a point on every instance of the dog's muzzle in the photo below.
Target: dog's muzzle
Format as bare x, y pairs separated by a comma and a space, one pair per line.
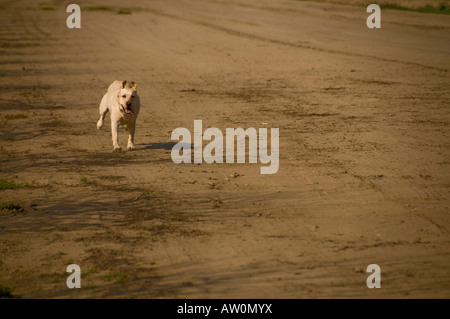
127, 110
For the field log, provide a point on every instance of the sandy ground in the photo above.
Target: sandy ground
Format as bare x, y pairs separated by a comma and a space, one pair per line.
364, 172
410, 4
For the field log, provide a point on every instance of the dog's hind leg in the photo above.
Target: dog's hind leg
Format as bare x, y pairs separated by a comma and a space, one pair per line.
103, 109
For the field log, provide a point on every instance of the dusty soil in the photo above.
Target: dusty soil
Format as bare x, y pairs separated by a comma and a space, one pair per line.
401, 4
364, 172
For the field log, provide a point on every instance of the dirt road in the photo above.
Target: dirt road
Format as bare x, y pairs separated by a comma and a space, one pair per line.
364, 172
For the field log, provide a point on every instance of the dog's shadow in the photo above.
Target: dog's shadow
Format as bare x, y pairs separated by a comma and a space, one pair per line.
162, 146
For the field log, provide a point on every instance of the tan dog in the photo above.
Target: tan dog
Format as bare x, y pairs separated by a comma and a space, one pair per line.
122, 101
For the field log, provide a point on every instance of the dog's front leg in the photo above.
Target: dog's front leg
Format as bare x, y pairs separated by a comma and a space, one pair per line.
115, 135
131, 128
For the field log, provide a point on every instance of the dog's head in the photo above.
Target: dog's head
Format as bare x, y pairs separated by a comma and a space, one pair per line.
127, 95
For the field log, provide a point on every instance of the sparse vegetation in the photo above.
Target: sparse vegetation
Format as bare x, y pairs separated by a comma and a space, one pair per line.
9, 206
98, 8
124, 11
86, 273
88, 182
11, 209
108, 9
69, 261
441, 9
5, 184
6, 292
119, 277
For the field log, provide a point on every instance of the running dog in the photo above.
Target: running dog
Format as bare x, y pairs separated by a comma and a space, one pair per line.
123, 102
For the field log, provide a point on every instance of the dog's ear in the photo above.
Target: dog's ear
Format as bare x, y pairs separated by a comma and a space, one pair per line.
124, 83
134, 84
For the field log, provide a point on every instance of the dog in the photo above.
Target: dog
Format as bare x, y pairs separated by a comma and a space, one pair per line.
123, 102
